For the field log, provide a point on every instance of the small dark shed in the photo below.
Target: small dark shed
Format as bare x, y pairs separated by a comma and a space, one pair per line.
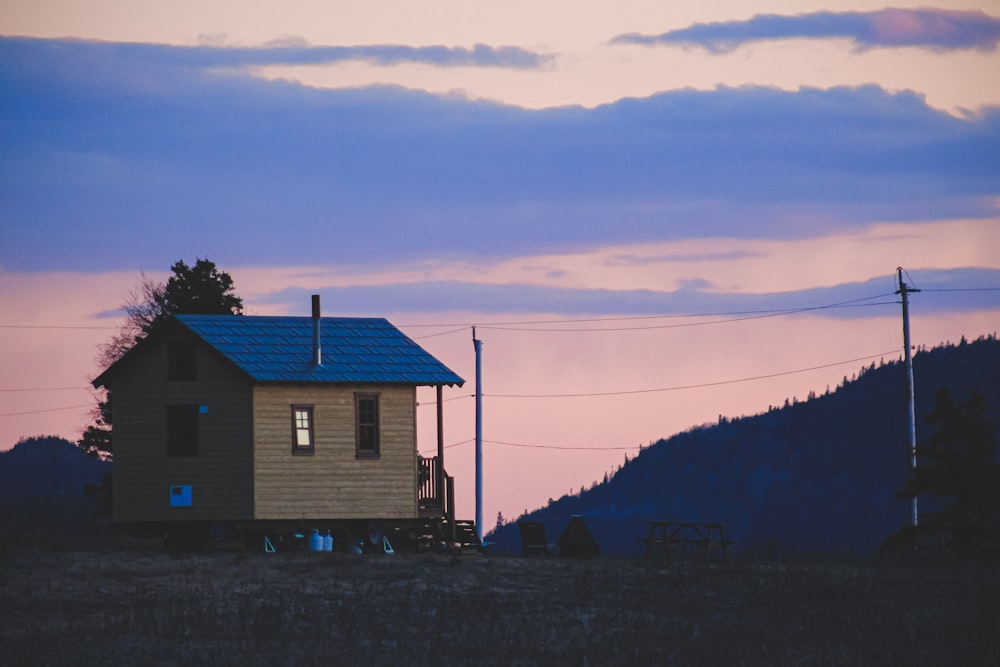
577, 542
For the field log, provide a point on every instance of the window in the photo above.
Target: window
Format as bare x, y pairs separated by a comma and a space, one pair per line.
182, 430
303, 441
366, 409
182, 360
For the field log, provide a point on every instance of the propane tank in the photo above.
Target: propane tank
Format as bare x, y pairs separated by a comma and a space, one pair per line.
315, 541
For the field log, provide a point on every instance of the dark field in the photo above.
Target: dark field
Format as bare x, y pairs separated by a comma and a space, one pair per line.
138, 606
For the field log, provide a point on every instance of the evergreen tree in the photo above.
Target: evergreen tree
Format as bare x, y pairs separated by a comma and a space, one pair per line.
958, 466
200, 289
96, 439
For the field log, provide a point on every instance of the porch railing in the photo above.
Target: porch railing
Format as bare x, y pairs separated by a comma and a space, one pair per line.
435, 487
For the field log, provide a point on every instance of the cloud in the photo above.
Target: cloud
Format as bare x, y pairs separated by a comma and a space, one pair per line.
935, 29
289, 51
695, 284
942, 291
105, 163
114, 314
636, 260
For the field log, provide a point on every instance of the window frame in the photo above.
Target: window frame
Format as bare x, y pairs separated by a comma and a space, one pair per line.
183, 430
309, 409
367, 452
182, 360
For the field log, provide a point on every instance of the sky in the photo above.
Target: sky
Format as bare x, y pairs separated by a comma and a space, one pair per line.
654, 214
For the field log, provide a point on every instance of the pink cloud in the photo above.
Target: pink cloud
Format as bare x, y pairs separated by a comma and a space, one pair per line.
936, 28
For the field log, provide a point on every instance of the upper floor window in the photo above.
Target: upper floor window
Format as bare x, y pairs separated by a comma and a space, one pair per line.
182, 360
303, 433
182, 430
366, 418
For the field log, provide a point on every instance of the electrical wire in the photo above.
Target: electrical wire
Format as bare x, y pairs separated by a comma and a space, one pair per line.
55, 326
441, 333
563, 448
568, 448
519, 326
693, 386
639, 391
458, 327
446, 400
765, 315
751, 314
46, 389
630, 392
964, 289
454, 444
38, 412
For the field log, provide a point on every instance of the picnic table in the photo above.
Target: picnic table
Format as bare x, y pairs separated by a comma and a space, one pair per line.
668, 534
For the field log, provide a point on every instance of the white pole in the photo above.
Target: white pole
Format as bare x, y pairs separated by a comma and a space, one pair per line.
478, 344
908, 357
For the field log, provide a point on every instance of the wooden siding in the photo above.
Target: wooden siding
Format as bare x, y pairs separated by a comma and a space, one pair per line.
333, 483
221, 474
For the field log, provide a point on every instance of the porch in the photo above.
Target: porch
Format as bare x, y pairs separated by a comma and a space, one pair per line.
435, 489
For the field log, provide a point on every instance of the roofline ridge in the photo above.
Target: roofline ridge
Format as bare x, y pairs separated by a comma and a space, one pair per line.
283, 317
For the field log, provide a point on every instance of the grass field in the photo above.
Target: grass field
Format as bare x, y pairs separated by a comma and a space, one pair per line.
139, 606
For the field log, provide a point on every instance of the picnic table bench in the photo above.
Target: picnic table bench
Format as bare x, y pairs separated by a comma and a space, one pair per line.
533, 538
667, 534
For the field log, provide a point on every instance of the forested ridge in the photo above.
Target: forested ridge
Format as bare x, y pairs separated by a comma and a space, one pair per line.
815, 476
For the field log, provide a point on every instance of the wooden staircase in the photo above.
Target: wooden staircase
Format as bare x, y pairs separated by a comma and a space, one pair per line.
466, 538
457, 538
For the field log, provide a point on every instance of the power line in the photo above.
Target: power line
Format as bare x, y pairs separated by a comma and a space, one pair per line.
638, 391
596, 449
555, 447
447, 400
693, 386
527, 325
454, 444
441, 333
749, 316
55, 326
564, 448
46, 389
675, 388
38, 412
462, 326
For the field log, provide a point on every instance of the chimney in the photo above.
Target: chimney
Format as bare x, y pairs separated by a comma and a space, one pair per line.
317, 350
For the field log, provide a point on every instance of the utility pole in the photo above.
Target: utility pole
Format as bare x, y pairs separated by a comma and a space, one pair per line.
478, 344
904, 290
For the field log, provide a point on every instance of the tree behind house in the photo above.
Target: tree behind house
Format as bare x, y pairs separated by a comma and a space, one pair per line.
197, 290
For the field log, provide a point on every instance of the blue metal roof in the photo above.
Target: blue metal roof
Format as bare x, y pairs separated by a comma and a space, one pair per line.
354, 350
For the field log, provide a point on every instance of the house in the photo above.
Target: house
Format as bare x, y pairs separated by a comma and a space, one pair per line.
232, 418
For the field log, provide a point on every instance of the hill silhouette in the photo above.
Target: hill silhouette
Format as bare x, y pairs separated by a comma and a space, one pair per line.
43, 487
812, 477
